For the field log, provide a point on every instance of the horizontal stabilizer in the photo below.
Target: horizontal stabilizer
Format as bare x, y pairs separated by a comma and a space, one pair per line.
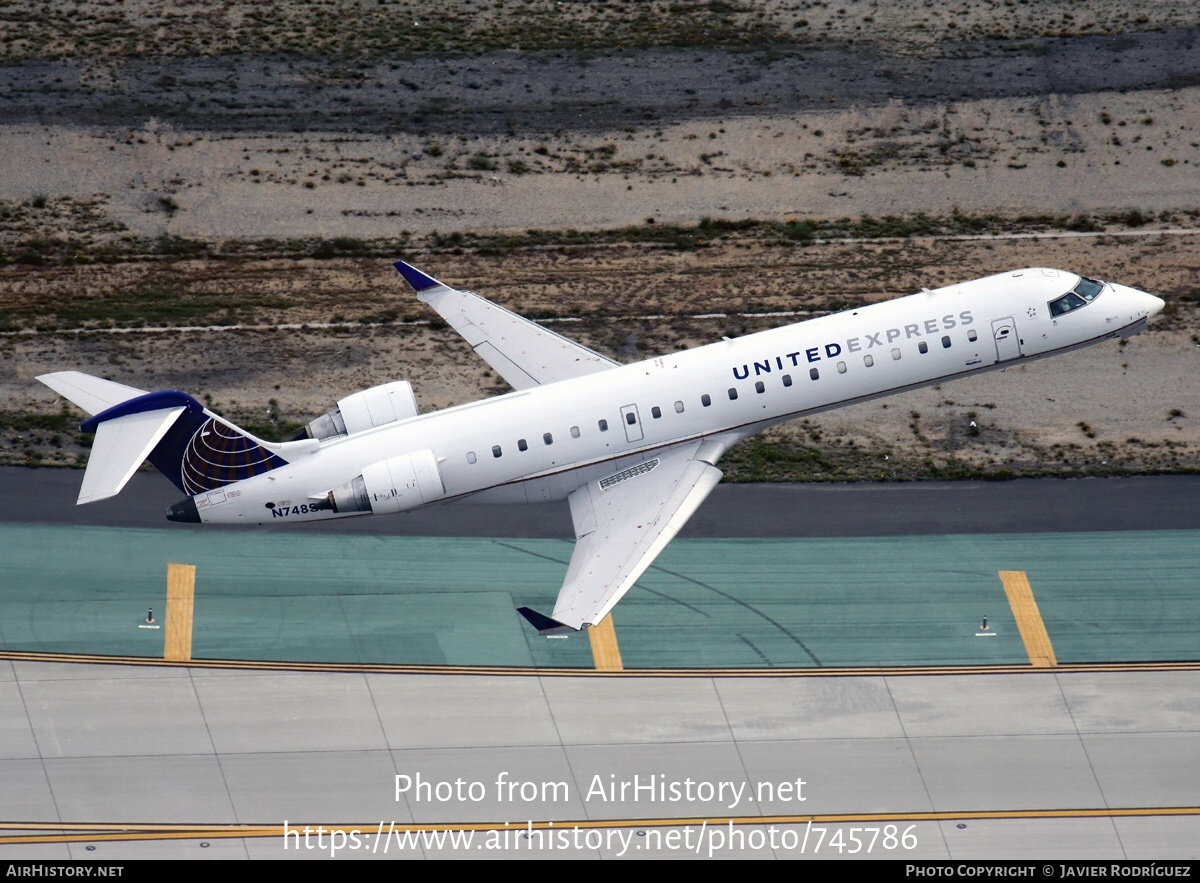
191, 446
121, 445
91, 394
544, 624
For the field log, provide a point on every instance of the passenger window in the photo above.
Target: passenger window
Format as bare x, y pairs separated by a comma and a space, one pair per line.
787, 379
522, 445
922, 347
631, 418
496, 451
814, 373
603, 424
841, 367
946, 341
679, 407
732, 393
656, 412
896, 353
548, 438
705, 400
868, 361
574, 432
972, 336
759, 386
470, 456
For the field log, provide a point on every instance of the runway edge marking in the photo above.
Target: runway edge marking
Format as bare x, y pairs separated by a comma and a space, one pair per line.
548, 672
603, 639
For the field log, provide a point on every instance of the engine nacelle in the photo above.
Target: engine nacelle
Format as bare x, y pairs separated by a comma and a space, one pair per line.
392, 485
364, 410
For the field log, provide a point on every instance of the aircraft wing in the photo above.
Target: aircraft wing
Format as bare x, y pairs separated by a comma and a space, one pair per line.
621, 523
522, 352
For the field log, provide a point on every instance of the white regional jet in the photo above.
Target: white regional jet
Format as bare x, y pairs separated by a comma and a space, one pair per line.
633, 448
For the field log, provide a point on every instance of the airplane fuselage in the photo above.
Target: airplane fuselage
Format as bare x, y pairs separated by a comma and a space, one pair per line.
543, 443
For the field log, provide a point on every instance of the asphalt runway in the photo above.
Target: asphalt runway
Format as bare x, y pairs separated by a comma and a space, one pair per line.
113, 762
1167, 502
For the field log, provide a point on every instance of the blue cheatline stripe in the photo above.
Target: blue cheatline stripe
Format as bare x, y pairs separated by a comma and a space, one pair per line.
151, 401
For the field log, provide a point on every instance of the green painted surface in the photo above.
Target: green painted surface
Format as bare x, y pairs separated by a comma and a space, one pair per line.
705, 603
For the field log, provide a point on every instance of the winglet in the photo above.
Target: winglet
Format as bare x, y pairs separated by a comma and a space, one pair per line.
414, 277
544, 624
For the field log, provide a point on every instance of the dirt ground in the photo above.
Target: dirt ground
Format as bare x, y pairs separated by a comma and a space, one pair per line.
153, 179
1111, 408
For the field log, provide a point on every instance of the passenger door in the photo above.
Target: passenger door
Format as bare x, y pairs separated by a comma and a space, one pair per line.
1008, 342
631, 422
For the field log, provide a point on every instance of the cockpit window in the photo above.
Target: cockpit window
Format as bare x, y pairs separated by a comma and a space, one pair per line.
1080, 296
1066, 303
1088, 288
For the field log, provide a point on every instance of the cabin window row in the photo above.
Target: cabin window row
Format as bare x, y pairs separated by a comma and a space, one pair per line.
706, 400
601, 425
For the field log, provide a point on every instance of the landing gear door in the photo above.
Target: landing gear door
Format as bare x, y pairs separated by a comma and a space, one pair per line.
1008, 342
632, 423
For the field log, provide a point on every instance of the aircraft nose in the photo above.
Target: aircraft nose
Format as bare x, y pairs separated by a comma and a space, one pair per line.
1146, 304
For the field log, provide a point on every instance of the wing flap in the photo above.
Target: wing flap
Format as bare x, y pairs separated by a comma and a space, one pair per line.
516, 376
620, 529
522, 352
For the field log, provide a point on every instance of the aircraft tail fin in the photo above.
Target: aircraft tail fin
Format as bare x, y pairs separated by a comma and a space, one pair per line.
193, 447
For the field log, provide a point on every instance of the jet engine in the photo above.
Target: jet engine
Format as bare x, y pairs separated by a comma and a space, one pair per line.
392, 485
364, 410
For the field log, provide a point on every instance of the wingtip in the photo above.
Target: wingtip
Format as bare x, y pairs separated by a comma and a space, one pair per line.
417, 280
544, 624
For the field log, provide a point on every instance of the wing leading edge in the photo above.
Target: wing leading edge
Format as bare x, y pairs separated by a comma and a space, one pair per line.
622, 522
522, 352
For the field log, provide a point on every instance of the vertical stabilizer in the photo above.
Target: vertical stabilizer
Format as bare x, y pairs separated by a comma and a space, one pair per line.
194, 448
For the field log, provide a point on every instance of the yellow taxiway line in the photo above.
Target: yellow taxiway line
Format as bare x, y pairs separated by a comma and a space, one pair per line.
1029, 618
605, 652
181, 601
68, 833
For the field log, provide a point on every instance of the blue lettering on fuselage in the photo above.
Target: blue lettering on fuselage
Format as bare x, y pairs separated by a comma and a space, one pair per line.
855, 344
